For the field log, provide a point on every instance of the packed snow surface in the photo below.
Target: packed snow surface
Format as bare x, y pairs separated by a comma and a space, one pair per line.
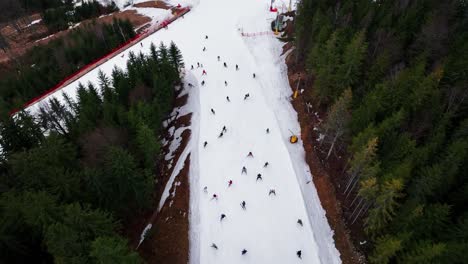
268, 227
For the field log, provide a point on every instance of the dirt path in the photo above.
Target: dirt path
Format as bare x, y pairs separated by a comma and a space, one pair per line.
322, 180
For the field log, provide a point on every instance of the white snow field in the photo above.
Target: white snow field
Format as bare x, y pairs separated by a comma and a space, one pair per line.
268, 228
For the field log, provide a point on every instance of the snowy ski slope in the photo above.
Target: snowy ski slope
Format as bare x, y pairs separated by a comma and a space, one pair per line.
268, 227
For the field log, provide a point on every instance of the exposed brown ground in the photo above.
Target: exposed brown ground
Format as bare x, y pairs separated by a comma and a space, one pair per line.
323, 179
154, 4
37, 34
168, 241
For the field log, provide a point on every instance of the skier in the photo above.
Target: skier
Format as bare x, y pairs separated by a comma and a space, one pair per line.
213, 111
198, 65
225, 83
268, 131
244, 170
299, 221
224, 129
221, 135
204, 48
202, 83
299, 254
225, 65
204, 72
227, 98
265, 165
246, 96
205, 190
244, 251
215, 197
254, 75
222, 217
218, 58
190, 85
250, 154
206, 37
243, 205
214, 246
201, 65
204, 144
259, 177
141, 43
229, 183
237, 67
192, 66
272, 191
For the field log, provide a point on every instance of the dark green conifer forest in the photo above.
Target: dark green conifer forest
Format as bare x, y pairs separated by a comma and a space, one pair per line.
393, 78
73, 176
42, 67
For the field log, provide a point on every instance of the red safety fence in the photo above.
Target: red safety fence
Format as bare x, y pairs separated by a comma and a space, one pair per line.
178, 12
254, 34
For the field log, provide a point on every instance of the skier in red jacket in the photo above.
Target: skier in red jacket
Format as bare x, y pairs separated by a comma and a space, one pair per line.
229, 183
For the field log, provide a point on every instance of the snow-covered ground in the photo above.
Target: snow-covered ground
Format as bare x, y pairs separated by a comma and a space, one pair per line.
268, 227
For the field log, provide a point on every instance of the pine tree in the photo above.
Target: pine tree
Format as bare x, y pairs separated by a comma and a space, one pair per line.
46, 168
362, 162
147, 144
353, 59
423, 252
386, 248
336, 125
69, 239
113, 250
385, 205
175, 57
325, 86
19, 133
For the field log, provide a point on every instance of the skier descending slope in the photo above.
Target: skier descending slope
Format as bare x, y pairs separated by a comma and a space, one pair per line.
244, 170
299, 221
259, 177
243, 205
272, 191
